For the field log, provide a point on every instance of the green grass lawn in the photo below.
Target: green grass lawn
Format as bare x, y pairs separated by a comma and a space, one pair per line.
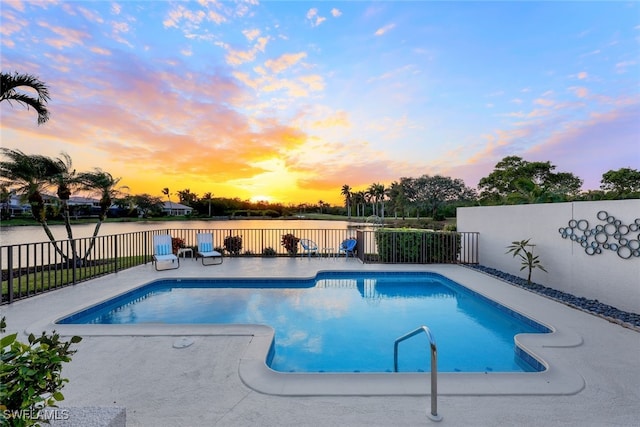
50, 278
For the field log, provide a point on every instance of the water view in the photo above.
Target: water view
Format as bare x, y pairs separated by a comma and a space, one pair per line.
33, 234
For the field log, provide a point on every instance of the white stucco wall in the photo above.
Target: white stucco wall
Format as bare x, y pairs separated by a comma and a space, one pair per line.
606, 277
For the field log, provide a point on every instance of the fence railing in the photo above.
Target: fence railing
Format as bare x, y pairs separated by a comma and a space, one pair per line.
32, 268
398, 246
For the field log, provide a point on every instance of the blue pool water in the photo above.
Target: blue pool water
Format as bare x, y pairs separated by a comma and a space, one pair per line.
341, 321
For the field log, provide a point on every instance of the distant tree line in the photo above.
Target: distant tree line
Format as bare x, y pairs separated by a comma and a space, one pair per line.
513, 181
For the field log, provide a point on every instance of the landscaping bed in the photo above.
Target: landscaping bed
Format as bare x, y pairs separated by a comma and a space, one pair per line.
624, 318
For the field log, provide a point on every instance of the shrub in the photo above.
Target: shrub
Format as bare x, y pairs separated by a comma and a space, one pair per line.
290, 243
30, 375
417, 246
450, 227
176, 243
269, 252
233, 244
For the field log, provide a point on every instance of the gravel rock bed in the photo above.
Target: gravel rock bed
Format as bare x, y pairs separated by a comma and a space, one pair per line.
595, 307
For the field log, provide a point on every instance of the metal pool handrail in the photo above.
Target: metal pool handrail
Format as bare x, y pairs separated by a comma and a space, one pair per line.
434, 366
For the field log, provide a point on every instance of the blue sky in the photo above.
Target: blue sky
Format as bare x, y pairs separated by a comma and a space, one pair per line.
288, 101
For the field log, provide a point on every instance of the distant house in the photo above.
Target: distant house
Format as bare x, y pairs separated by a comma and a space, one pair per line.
176, 209
13, 206
84, 201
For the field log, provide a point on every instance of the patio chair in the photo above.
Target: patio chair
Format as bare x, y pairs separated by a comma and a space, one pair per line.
347, 247
163, 251
309, 247
206, 250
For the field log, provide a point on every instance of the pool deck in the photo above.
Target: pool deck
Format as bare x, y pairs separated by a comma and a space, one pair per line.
221, 379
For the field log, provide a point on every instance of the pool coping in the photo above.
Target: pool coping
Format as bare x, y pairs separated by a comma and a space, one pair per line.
560, 377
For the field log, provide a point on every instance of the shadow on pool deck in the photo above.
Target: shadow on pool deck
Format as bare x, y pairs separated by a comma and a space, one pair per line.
206, 383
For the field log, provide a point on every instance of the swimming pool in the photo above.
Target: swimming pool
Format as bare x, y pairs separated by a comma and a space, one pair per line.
340, 321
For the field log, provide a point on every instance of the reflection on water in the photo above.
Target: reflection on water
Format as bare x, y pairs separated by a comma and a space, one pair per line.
32, 234
347, 322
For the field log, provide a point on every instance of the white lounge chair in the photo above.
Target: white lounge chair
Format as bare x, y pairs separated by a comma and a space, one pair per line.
205, 249
163, 251
309, 247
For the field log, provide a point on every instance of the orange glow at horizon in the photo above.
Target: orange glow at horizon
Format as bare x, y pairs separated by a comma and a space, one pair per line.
217, 97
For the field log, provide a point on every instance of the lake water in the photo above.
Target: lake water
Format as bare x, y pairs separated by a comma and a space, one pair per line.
32, 234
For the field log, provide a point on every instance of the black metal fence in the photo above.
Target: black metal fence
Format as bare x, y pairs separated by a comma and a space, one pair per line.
32, 268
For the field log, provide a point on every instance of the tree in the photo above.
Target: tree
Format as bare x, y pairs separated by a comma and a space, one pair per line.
5, 198
359, 199
30, 176
397, 199
186, 197
106, 187
64, 180
346, 192
167, 193
208, 197
147, 204
526, 191
431, 192
513, 171
10, 83
376, 195
623, 182
322, 204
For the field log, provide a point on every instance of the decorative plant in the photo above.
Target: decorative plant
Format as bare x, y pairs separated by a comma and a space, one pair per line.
290, 243
519, 249
269, 252
30, 375
177, 243
233, 244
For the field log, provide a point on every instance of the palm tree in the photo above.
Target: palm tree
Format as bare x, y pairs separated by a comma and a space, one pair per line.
31, 175
208, 197
5, 199
186, 197
64, 180
397, 198
346, 192
359, 199
167, 193
8, 92
106, 186
376, 193
369, 198
381, 192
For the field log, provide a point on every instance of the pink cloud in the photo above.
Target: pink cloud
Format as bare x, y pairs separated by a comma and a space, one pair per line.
601, 143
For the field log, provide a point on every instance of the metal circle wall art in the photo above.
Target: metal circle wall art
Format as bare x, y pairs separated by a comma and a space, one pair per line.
612, 235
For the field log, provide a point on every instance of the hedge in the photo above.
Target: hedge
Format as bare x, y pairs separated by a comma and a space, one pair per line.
417, 246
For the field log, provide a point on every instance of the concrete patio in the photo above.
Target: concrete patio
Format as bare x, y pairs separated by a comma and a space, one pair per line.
592, 379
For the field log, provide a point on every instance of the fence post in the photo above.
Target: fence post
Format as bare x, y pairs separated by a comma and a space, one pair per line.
10, 268
361, 245
73, 261
115, 251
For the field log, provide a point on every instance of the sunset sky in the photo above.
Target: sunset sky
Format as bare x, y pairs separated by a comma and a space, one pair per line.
289, 101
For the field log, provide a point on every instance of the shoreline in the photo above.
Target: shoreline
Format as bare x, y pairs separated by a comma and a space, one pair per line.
311, 217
